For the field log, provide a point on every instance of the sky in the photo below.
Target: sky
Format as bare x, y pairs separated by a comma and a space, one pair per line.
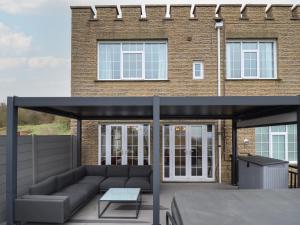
35, 43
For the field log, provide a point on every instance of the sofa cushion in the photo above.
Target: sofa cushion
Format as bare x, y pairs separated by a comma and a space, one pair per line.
45, 187
117, 171
84, 188
92, 180
138, 182
65, 179
79, 173
75, 199
140, 171
113, 182
95, 170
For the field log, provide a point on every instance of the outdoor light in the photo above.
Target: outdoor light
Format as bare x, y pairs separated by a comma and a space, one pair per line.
246, 141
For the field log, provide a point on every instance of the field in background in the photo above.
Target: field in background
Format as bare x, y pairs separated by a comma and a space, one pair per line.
41, 129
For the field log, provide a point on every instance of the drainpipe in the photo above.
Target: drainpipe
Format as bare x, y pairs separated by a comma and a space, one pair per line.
219, 26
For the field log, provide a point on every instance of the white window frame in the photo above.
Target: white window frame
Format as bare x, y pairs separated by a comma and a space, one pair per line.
258, 77
121, 59
124, 143
202, 70
279, 133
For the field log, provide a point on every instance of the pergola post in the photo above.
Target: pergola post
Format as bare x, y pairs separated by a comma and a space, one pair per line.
298, 144
156, 160
11, 159
234, 169
78, 138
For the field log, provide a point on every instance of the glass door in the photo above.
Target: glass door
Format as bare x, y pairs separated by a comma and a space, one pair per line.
180, 152
124, 144
188, 153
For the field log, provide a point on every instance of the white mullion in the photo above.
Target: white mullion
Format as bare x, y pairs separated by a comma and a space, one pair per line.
204, 152
108, 144
258, 60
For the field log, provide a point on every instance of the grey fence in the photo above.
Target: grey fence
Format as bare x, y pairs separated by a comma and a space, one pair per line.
38, 158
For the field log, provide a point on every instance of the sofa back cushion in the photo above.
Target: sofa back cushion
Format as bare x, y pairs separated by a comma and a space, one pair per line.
79, 173
117, 171
65, 179
140, 171
95, 170
46, 187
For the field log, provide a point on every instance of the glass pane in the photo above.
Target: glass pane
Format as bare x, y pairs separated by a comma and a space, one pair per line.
132, 145
132, 46
262, 141
249, 45
146, 143
197, 70
155, 60
281, 128
292, 142
103, 145
196, 149
278, 147
266, 59
116, 145
109, 61
132, 65
209, 151
180, 151
233, 60
250, 64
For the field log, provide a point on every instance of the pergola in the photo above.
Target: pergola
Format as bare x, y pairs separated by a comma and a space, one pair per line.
243, 111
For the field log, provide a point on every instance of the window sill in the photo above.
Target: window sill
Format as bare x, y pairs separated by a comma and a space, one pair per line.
131, 80
253, 79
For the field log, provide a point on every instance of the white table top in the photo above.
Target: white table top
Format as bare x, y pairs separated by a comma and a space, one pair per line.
121, 194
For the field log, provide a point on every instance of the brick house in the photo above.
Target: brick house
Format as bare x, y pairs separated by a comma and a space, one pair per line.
132, 52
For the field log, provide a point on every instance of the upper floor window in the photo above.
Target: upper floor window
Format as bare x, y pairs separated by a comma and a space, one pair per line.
197, 70
132, 60
251, 59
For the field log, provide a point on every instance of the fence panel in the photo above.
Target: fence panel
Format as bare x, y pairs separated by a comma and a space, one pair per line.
38, 158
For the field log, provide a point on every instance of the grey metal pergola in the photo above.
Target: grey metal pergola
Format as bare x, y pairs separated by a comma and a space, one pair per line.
244, 111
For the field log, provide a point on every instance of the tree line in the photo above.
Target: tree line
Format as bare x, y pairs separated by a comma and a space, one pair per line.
29, 117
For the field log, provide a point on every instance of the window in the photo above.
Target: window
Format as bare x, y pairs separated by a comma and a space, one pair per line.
132, 60
124, 144
197, 70
278, 142
251, 59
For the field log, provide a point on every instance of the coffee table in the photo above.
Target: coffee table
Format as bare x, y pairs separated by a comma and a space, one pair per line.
120, 195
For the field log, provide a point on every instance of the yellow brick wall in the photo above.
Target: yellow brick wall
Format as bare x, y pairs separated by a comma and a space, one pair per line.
188, 40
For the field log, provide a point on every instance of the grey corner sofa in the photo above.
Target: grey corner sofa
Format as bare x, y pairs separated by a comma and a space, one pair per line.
57, 198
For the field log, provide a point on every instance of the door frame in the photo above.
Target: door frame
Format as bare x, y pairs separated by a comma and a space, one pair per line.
124, 142
188, 177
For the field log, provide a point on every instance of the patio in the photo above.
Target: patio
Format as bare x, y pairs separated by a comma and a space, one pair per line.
250, 111
88, 214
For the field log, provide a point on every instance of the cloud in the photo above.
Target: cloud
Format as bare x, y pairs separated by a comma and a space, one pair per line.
18, 6
12, 42
34, 63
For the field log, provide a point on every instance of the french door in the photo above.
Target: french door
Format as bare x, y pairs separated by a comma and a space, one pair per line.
188, 153
124, 144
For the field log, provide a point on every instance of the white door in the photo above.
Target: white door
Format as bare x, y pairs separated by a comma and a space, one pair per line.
124, 144
188, 153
